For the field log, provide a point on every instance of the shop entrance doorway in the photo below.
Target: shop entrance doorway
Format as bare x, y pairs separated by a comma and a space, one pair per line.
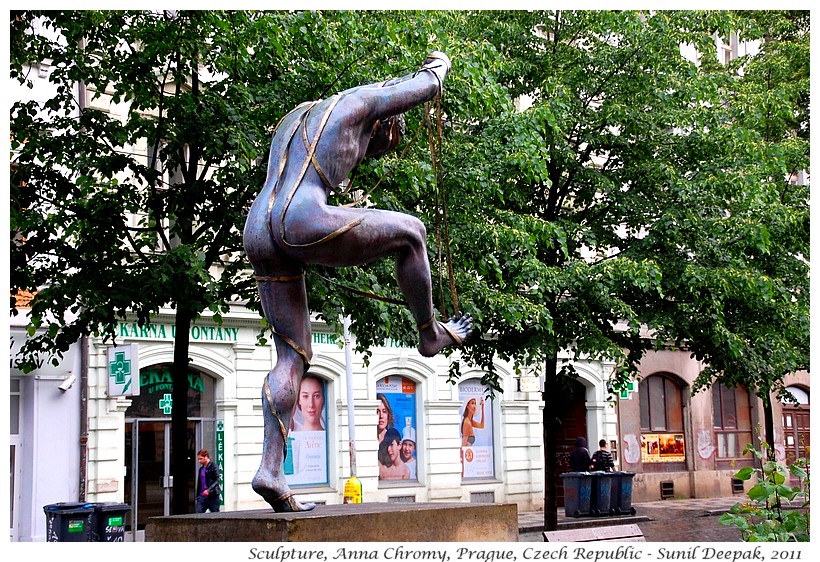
148, 449
148, 483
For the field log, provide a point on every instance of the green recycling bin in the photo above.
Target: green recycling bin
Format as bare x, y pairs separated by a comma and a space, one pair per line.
601, 493
108, 522
68, 522
577, 493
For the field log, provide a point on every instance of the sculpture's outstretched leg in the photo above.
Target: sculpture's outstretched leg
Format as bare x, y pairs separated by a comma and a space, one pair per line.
269, 481
435, 336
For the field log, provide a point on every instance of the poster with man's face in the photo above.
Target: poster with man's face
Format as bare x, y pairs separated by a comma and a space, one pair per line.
306, 460
476, 430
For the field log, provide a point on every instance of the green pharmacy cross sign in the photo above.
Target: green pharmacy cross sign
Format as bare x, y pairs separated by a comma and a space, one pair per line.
120, 368
625, 393
166, 404
123, 370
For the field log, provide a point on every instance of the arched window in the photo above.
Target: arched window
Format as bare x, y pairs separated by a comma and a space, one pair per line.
476, 431
306, 462
154, 399
396, 429
731, 414
796, 427
661, 402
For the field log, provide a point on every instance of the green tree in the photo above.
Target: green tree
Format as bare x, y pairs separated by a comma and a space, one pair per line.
637, 191
194, 98
764, 518
190, 102
766, 235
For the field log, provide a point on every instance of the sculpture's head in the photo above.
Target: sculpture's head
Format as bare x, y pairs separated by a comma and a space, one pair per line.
386, 135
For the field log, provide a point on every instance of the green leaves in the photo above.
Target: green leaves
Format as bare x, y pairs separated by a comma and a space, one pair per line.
632, 187
765, 518
131, 206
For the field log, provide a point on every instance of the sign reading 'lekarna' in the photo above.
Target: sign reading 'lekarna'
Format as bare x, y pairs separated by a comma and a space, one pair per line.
168, 331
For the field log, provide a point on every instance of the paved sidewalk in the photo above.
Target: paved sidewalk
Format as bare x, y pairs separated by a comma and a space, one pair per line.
689, 520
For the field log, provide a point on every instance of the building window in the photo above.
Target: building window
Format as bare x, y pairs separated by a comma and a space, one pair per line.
731, 414
796, 426
155, 401
476, 431
306, 462
661, 403
396, 428
727, 52
14, 406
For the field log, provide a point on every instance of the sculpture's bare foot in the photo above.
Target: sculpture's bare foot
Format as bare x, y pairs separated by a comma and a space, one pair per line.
435, 336
280, 502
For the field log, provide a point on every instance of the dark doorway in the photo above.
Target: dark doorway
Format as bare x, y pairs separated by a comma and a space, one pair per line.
572, 416
796, 431
148, 454
796, 425
148, 465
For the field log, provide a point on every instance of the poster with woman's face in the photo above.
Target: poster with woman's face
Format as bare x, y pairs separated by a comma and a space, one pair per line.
476, 431
306, 460
396, 428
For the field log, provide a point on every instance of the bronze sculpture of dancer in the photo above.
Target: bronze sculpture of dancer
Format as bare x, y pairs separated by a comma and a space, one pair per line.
291, 225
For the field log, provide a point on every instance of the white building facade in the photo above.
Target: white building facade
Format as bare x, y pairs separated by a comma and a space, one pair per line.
123, 454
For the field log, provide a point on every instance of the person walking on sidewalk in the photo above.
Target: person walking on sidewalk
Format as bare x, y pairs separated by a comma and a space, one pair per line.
602, 459
207, 490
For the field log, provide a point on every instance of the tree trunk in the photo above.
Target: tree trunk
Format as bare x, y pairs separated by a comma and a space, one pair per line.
550, 395
181, 465
768, 425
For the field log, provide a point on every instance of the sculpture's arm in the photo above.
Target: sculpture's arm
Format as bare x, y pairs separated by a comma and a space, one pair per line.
400, 94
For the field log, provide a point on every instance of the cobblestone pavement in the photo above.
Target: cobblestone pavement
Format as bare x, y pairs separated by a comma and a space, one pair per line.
690, 520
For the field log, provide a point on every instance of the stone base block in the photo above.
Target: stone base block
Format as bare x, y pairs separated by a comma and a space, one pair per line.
364, 522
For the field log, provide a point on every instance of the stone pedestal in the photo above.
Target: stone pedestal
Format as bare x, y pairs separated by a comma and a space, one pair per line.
364, 522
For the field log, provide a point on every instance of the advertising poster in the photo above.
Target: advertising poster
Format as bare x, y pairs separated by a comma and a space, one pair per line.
662, 447
306, 461
476, 431
396, 427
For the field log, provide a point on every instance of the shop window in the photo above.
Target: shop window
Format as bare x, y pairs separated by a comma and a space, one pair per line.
155, 401
661, 405
306, 463
476, 431
731, 413
397, 428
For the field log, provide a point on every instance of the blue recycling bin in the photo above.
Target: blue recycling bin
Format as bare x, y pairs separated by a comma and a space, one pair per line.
577, 493
108, 521
68, 522
601, 493
621, 493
